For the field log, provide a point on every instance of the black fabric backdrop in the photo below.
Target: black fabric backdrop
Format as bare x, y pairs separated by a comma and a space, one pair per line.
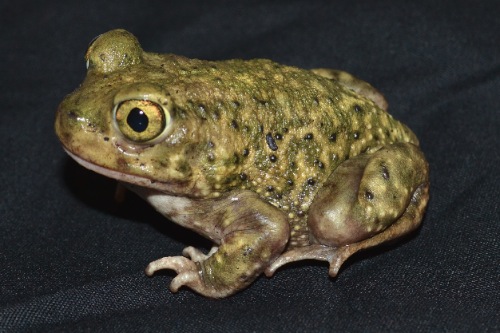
72, 260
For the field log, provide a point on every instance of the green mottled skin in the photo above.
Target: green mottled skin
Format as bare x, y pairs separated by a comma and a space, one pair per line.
237, 127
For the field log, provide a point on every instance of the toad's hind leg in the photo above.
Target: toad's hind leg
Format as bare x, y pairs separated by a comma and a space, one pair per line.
250, 233
369, 199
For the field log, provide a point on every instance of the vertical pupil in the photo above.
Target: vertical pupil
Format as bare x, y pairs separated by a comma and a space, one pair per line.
137, 120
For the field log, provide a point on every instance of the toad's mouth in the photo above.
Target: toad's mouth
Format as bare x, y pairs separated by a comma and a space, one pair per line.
120, 176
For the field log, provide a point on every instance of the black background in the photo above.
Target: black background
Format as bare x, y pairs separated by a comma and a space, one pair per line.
72, 260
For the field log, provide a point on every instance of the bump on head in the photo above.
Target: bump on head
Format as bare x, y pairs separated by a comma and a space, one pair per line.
113, 50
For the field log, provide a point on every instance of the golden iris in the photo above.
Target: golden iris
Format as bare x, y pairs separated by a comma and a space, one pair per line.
140, 120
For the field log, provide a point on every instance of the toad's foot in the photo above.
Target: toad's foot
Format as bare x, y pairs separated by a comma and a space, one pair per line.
334, 256
188, 271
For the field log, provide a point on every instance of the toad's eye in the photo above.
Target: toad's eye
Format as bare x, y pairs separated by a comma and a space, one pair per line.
141, 120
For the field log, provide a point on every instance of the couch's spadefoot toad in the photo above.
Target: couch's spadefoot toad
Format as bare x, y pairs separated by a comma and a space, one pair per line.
272, 163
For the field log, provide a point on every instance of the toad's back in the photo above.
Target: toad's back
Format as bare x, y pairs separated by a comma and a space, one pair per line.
276, 130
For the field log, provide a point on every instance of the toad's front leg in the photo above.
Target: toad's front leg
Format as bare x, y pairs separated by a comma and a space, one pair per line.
251, 234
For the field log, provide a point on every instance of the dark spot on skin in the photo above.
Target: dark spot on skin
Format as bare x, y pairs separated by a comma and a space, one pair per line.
261, 128
246, 252
236, 158
236, 104
278, 136
72, 114
332, 137
300, 213
385, 172
210, 144
292, 164
316, 101
211, 157
357, 108
122, 163
368, 195
285, 130
309, 136
184, 168
269, 188
319, 164
375, 137
245, 152
289, 182
216, 115
311, 181
356, 135
279, 196
106, 138
243, 176
234, 124
273, 158
270, 142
